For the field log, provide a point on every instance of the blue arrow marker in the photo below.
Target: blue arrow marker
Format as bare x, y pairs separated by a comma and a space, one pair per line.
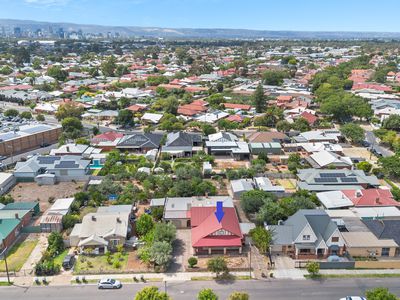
219, 213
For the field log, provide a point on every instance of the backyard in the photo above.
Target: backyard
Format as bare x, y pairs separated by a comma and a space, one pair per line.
30, 191
18, 255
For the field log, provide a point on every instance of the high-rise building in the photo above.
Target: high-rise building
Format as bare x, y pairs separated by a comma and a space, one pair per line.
17, 32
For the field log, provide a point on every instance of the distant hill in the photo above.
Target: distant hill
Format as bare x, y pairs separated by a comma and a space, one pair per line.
135, 31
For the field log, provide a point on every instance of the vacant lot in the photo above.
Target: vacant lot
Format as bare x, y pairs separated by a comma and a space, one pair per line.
18, 254
359, 152
222, 164
30, 191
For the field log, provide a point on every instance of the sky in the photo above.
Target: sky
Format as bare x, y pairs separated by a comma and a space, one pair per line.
299, 15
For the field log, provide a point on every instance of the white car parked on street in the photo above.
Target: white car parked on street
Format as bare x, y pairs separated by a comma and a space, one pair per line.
109, 283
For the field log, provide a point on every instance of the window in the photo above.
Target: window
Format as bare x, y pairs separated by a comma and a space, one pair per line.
114, 242
305, 251
63, 172
385, 251
335, 239
306, 237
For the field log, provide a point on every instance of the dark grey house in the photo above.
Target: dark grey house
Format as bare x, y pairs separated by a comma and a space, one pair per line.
140, 142
180, 144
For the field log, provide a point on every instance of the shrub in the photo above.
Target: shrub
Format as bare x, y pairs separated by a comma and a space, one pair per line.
238, 296
192, 261
207, 294
217, 265
313, 268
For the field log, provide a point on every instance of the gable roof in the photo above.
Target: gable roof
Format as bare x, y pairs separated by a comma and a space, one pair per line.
182, 139
385, 229
140, 140
202, 233
267, 137
371, 197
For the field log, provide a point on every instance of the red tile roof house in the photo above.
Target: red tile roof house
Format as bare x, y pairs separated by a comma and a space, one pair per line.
212, 237
371, 197
310, 118
237, 106
106, 141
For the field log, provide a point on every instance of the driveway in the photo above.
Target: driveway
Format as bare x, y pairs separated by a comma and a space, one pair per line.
182, 250
372, 139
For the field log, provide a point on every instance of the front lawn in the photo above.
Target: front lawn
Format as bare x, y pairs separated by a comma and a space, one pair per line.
58, 260
98, 264
18, 255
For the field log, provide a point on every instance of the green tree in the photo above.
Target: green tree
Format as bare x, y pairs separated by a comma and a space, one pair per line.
171, 105
192, 261
313, 268
72, 127
391, 165
151, 293
125, 118
69, 110
56, 244
380, 294
161, 254
262, 238
252, 201
26, 115
217, 265
392, 123
69, 221
108, 66
365, 166
57, 73
6, 199
239, 296
283, 126
259, 100
207, 294
208, 129
11, 113
164, 232
271, 77
353, 132
40, 118
144, 224
301, 125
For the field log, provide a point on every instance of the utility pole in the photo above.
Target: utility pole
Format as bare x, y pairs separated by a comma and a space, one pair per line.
165, 286
250, 261
4, 254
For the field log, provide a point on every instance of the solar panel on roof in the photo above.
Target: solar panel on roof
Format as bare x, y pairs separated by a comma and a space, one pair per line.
330, 175
48, 160
349, 179
326, 179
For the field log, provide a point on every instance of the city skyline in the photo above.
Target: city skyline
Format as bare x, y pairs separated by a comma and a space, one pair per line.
288, 15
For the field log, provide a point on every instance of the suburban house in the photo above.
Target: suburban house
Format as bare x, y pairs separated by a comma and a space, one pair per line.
75, 149
314, 136
268, 137
59, 168
316, 180
227, 144
266, 148
107, 141
182, 144
309, 233
241, 186
52, 219
103, 230
209, 236
177, 209
140, 142
12, 220
366, 244
7, 182
385, 229
150, 118
309, 148
326, 159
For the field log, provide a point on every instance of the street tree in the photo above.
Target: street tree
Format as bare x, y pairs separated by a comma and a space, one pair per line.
151, 293
207, 294
217, 265
259, 100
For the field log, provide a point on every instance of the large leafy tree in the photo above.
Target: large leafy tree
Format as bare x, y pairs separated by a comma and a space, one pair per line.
262, 238
57, 73
207, 294
161, 254
109, 66
252, 201
72, 127
391, 165
353, 132
164, 232
69, 110
217, 265
151, 293
272, 77
144, 224
125, 118
392, 123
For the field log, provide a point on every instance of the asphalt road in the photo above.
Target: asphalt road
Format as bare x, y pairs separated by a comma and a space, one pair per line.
258, 290
371, 138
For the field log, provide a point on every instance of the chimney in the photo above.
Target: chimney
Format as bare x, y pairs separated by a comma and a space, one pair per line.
93, 218
67, 147
16, 216
377, 200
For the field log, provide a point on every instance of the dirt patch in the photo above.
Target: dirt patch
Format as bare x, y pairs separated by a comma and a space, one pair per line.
232, 262
360, 152
135, 264
222, 164
30, 191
